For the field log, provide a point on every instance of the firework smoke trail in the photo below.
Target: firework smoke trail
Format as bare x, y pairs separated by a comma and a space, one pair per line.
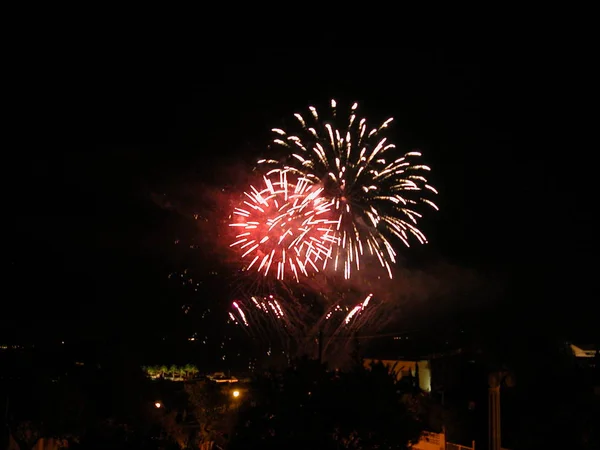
284, 228
373, 196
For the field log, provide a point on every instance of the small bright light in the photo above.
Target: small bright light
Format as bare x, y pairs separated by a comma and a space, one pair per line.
236, 394
158, 404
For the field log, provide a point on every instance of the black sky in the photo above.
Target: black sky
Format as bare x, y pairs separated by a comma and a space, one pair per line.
81, 255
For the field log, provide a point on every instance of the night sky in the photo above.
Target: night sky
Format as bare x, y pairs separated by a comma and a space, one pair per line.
90, 251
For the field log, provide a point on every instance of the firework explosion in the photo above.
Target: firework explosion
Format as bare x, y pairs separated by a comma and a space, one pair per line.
335, 196
284, 229
373, 197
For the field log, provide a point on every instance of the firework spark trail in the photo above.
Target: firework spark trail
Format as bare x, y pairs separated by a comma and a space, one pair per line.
285, 227
350, 321
358, 308
267, 318
342, 324
373, 197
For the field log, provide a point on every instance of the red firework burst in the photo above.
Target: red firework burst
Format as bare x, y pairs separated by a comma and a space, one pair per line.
285, 227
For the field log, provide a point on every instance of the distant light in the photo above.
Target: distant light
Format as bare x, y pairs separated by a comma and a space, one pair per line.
236, 394
158, 405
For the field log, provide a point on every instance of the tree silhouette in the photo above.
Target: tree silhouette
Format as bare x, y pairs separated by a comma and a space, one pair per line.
187, 370
163, 370
309, 407
209, 403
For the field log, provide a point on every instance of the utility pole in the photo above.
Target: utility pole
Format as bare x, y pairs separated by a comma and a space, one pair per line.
496, 380
494, 412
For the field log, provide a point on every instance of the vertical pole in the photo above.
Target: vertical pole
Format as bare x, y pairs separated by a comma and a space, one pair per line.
494, 417
498, 425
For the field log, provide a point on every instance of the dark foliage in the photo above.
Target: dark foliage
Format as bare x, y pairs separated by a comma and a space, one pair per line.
85, 405
550, 402
309, 407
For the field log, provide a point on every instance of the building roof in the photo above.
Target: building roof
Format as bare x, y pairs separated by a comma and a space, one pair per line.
584, 350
